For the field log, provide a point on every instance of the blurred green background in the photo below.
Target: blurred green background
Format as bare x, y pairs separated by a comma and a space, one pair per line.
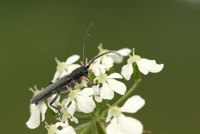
33, 33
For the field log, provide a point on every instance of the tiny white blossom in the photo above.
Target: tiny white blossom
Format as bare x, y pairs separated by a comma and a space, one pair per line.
144, 65
97, 96
97, 67
64, 68
36, 110
110, 85
120, 124
80, 100
110, 58
65, 113
96, 93
64, 128
105, 62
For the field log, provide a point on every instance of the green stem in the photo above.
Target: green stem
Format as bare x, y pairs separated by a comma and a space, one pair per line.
82, 117
94, 130
124, 97
87, 128
100, 128
103, 106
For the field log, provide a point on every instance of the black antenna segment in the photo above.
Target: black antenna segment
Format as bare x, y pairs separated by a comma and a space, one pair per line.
85, 42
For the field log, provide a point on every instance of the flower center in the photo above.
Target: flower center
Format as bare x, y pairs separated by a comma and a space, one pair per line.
102, 78
115, 111
73, 94
61, 66
133, 59
65, 116
51, 128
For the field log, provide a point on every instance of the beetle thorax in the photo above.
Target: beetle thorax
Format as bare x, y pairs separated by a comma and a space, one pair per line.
79, 72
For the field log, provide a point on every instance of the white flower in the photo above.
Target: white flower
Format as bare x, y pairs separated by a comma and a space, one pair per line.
111, 57
120, 124
105, 62
80, 101
65, 113
36, 110
144, 65
97, 67
96, 91
64, 128
110, 85
64, 68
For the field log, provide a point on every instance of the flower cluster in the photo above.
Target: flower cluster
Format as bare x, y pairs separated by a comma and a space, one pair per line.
88, 100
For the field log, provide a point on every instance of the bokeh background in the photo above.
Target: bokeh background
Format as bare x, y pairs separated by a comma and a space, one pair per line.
33, 33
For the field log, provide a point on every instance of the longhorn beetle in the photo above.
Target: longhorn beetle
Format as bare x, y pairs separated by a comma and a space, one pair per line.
67, 81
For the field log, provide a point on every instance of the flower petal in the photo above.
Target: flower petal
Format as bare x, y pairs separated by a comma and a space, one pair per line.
109, 116
74, 119
72, 107
113, 127
133, 104
145, 65
67, 102
98, 99
107, 61
96, 90
117, 58
157, 68
86, 92
127, 71
97, 68
34, 120
86, 104
56, 76
72, 59
66, 130
106, 92
123, 52
72, 67
115, 75
63, 73
117, 86
43, 108
128, 125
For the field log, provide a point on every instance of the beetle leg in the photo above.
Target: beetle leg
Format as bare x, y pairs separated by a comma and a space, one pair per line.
88, 81
54, 99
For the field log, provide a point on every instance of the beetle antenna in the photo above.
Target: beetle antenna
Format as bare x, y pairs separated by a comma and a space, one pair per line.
100, 56
85, 42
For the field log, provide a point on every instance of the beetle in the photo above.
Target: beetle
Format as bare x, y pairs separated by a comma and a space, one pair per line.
67, 81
